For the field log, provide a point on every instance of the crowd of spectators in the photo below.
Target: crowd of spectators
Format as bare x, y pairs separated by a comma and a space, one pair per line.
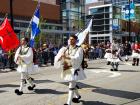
97, 51
45, 54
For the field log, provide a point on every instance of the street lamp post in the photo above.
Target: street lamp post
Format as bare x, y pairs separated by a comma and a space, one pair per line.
129, 27
11, 64
11, 12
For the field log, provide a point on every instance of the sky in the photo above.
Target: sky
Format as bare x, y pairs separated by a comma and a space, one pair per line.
91, 1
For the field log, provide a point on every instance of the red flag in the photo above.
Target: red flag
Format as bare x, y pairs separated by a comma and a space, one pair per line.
8, 38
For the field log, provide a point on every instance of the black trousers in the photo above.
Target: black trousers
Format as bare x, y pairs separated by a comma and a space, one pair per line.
135, 61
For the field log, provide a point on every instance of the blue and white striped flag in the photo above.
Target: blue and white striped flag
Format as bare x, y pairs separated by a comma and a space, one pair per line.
35, 25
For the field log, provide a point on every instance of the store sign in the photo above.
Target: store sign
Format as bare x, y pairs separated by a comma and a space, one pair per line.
130, 11
115, 25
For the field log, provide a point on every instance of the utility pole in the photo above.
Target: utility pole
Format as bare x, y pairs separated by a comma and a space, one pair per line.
11, 12
11, 56
129, 27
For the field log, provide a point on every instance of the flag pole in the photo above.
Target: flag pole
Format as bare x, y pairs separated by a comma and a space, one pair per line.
11, 13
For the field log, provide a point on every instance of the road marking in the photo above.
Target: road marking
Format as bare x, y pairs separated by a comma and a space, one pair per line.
127, 63
113, 73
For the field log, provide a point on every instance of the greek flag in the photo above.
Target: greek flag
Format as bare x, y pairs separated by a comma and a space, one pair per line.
35, 25
82, 35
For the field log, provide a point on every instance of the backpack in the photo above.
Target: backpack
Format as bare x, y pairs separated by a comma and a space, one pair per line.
84, 63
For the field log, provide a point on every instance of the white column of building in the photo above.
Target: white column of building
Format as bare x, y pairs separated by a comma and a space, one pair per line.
111, 22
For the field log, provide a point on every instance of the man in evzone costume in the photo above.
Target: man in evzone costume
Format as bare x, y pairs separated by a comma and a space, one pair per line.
108, 54
71, 58
115, 55
24, 60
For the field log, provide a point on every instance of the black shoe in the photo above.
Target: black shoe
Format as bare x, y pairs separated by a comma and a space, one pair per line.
25, 82
65, 104
32, 78
18, 92
115, 69
77, 87
111, 70
133, 64
31, 87
76, 100
126, 59
108, 63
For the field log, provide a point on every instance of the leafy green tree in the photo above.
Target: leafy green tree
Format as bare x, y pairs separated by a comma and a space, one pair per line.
137, 12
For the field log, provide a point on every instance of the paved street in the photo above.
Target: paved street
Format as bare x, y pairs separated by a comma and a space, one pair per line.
102, 86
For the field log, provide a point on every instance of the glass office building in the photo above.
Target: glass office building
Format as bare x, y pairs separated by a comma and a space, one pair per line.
102, 24
134, 27
73, 14
101, 19
119, 2
107, 21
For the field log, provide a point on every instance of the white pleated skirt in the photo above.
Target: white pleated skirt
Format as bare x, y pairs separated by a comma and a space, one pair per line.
68, 75
135, 55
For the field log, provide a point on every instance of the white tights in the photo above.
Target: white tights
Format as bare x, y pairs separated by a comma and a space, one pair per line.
25, 77
72, 90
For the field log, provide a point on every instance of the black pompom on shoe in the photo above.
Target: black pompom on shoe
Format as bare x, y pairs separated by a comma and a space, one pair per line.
18, 92
76, 100
108, 63
31, 87
126, 60
79, 97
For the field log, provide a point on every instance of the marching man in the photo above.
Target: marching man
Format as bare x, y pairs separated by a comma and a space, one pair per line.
24, 60
71, 58
108, 54
136, 54
115, 55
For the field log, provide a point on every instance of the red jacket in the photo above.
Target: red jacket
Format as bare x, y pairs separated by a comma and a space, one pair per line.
136, 46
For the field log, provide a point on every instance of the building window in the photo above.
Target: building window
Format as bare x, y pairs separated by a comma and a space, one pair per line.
106, 9
106, 15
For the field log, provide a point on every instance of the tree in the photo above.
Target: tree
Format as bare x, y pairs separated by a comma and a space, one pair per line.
137, 12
